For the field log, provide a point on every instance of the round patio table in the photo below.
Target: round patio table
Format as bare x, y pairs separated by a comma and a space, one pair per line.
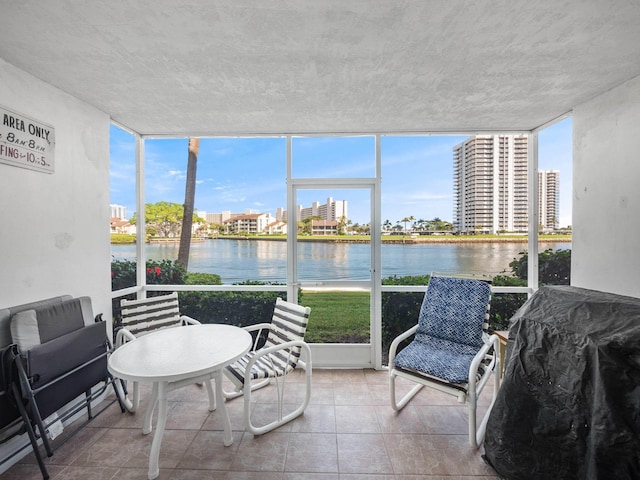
173, 357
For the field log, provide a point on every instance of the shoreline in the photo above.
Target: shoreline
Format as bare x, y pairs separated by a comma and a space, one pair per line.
409, 241
385, 240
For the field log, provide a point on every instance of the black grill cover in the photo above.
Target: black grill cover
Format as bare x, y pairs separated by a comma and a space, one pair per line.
569, 404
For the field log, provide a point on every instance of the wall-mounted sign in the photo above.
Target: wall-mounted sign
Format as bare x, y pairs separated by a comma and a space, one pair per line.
25, 142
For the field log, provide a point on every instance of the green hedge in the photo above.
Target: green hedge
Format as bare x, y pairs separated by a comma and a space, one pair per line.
235, 308
399, 309
121, 238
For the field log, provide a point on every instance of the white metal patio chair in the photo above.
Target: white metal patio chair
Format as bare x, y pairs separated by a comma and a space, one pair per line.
278, 357
451, 350
146, 315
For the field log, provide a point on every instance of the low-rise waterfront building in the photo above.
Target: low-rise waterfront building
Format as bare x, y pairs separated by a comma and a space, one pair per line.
324, 227
277, 228
120, 226
251, 223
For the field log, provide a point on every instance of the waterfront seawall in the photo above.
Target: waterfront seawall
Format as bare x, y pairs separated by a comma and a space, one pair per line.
405, 241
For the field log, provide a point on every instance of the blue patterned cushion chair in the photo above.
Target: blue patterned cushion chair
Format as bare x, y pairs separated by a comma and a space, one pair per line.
451, 350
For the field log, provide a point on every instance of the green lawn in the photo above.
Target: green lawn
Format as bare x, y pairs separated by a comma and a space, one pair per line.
337, 317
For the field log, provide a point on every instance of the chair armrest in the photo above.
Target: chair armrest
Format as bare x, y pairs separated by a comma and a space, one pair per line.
123, 336
396, 342
267, 351
186, 320
257, 327
492, 342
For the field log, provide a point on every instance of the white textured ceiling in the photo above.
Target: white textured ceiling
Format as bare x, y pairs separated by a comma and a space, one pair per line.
196, 67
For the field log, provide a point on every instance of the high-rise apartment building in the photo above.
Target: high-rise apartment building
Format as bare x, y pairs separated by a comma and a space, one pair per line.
118, 211
332, 210
548, 199
490, 184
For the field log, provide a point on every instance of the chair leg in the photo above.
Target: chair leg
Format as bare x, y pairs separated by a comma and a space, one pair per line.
397, 406
114, 383
37, 418
474, 440
32, 434
87, 396
121, 392
281, 419
248, 387
477, 433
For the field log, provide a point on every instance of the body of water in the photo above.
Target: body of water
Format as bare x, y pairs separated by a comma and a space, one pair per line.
240, 260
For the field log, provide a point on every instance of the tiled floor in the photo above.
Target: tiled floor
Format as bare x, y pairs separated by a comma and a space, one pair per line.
348, 432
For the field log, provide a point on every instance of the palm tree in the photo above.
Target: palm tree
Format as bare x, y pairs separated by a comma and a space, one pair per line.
189, 200
342, 226
405, 220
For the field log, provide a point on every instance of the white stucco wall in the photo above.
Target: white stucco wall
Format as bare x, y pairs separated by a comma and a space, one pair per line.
54, 228
606, 192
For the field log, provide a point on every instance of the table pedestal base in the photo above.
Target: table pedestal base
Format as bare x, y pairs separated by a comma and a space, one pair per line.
159, 398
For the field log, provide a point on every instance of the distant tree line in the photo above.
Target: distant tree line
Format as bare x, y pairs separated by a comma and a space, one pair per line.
411, 225
164, 219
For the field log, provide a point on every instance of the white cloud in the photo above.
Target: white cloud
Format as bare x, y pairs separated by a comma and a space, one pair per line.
427, 196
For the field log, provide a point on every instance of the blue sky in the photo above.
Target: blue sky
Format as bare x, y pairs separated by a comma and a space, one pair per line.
238, 174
